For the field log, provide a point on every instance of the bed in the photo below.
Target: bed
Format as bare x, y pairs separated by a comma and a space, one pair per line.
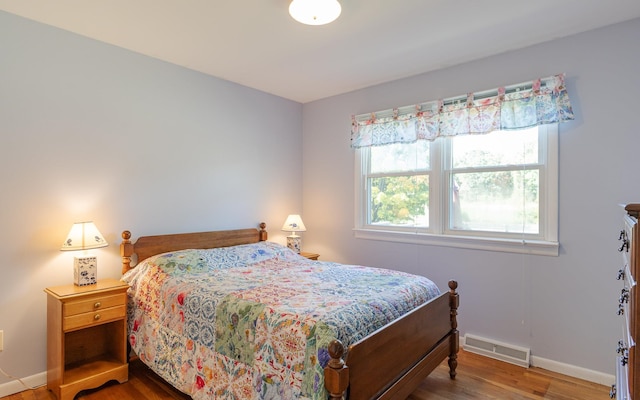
261, 338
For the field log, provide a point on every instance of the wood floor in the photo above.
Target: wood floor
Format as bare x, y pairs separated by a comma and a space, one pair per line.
478, 378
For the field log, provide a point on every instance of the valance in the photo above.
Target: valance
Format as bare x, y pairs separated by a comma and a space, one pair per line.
539, 102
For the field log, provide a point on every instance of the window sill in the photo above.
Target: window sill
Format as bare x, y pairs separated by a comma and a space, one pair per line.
535, 247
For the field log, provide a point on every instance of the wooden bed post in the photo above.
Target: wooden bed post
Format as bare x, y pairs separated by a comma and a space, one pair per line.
126, 250
263, 232
336, 373
454, 339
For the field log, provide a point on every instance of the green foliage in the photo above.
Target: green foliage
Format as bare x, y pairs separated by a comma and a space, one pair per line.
485, 185
490, 191
400, 199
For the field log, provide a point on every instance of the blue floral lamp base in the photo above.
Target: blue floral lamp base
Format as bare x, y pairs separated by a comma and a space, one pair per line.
294, 242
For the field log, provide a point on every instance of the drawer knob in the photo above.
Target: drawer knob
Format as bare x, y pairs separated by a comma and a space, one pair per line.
97, 305
96, 317
612, 393
625, 246
625, 242
624, 296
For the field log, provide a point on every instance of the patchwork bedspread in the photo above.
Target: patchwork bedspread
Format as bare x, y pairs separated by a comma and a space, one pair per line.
253, 321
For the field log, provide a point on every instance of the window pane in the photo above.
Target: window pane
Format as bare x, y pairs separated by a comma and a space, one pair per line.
495, 149
400, 157
400, 200
505, 201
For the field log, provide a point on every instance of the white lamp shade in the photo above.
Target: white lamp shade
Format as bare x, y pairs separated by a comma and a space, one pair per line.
315, 12
83, 236
294, 224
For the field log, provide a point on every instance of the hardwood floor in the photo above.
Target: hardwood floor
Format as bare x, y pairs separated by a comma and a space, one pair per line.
478, 378
485, 378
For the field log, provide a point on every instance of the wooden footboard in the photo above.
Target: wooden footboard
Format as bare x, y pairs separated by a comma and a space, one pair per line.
391, 362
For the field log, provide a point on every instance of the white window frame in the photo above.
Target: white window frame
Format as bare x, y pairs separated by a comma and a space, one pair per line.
546, 244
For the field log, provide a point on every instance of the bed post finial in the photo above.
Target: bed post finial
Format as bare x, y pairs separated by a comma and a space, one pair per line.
263, 232
336, 373
454, 338
126, 250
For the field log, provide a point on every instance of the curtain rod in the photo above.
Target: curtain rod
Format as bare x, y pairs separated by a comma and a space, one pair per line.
407, 110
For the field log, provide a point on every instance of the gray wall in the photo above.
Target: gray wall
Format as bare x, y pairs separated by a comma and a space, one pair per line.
91, 131
563, 308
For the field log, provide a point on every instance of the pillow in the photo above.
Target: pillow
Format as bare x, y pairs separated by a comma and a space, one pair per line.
203, 260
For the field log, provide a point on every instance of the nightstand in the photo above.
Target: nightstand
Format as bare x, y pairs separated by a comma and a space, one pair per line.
310, 256
86, 336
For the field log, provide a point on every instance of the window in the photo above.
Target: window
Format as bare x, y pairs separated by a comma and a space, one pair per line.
495, 191
476, 171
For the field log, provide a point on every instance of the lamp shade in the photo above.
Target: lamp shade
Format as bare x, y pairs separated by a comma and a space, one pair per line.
83, 236
294, 224
315, 12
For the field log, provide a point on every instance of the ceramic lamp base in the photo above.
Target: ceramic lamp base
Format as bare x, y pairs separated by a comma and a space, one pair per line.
85, 271
294, 242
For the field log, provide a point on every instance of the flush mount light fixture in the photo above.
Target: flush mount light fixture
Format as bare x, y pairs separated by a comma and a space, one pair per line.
315, 12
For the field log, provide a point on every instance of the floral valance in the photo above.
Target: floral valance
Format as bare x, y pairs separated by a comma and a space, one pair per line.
543, 101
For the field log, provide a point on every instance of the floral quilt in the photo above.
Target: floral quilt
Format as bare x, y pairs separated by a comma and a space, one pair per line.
254, 321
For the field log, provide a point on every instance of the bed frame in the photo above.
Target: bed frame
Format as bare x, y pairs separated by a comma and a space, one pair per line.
388, 364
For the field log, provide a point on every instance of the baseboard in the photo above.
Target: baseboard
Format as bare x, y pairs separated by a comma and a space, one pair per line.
13, 387
574, 371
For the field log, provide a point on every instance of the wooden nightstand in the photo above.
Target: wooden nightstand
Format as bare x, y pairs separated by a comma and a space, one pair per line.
310, 256
86, 336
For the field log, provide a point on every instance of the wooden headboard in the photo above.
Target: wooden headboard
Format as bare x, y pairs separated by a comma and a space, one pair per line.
147, 246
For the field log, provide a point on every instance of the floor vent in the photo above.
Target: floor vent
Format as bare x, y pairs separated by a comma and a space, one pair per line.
500, 351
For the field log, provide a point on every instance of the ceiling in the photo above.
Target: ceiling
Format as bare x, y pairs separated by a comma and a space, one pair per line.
257, 44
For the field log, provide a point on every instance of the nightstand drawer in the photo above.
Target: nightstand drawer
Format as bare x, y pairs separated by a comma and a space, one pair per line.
93, 318
96, 303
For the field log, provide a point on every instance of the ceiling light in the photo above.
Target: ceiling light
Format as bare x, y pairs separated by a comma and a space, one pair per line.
315, 12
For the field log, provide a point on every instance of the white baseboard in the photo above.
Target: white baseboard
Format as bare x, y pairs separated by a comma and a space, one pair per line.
574, 371
13, 387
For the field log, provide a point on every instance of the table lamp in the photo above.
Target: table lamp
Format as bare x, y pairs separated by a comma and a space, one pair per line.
294, 224
84, 236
